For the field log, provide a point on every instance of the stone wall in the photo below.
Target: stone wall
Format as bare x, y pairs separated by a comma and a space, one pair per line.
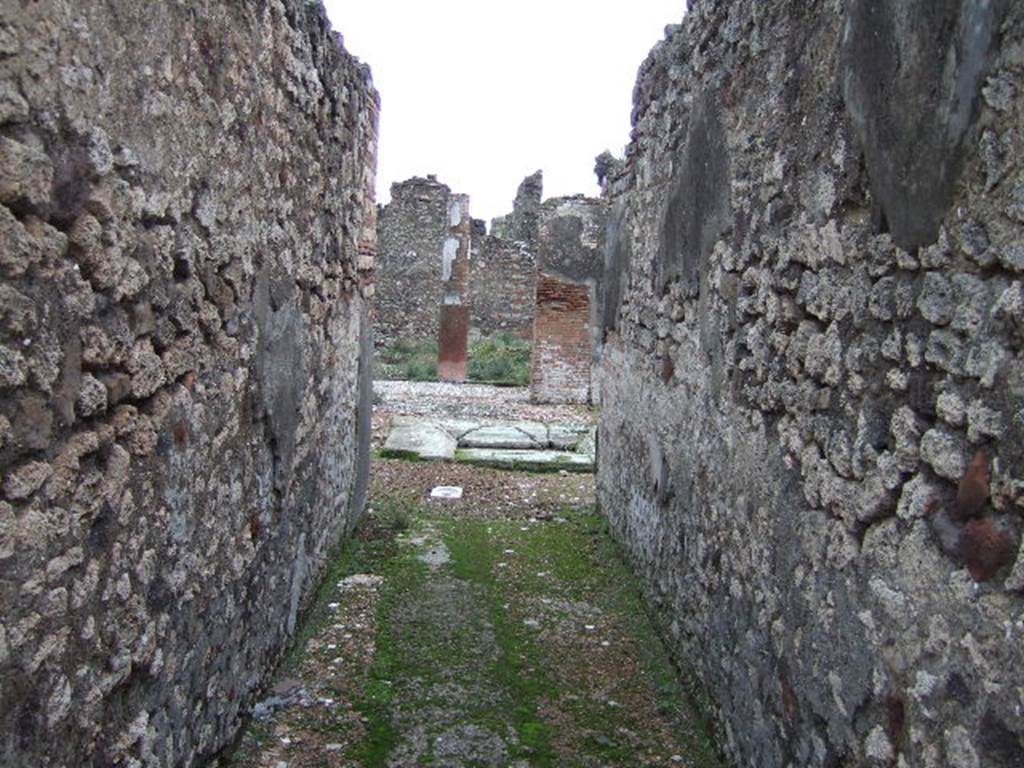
186, 230
812, 383
503, 278
412, 229
522, 223
411, 284
570, 241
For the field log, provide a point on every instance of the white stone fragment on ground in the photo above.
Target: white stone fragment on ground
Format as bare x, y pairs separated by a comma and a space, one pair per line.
446, 492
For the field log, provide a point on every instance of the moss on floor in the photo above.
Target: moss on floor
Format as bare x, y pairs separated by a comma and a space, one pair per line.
504, 642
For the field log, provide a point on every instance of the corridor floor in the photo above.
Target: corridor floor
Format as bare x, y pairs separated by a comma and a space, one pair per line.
502, 629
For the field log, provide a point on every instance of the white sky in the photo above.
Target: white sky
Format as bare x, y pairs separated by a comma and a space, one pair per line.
484, 93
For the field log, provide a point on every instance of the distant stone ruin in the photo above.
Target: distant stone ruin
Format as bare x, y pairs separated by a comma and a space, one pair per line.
411, 233
536, 276
187, 228
502, 282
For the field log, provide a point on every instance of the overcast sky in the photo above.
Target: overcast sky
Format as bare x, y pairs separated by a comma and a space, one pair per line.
484, 93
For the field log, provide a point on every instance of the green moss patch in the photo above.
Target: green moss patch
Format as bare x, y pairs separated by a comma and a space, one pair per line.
495, 642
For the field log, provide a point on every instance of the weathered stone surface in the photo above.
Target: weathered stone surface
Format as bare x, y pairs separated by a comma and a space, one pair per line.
812, 335
564, 437
429, 439
502, 280
518, 435
893, 89
421, 440
530, 460
186, 225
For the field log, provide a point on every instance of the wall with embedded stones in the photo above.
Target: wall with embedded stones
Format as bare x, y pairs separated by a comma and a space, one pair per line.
411, 232
812, 378
503, 276
186, 232
411, 279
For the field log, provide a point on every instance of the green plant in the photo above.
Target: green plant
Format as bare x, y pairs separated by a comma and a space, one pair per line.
395, 513
409, 359
501, 359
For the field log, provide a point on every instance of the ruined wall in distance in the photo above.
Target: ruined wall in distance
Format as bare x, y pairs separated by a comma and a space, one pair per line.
411, 284
411, 231
522, 223
186, 234
812, 385
503, 277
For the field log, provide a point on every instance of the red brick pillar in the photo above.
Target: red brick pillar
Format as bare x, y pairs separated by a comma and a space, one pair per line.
562, 348
453, 341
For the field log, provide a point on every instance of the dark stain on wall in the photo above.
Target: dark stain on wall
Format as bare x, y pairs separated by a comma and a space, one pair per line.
912, 68
698, 210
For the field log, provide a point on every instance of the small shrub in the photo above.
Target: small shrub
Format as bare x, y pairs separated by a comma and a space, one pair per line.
501, 359
395, 513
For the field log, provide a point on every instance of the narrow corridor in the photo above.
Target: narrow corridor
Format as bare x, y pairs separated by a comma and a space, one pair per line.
501, 629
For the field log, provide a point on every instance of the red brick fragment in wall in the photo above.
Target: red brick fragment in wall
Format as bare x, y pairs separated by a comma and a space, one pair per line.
454, 336
973, 491
986, 547
561, 342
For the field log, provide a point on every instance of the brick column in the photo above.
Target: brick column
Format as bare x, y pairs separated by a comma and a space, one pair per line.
453, 336
562, 347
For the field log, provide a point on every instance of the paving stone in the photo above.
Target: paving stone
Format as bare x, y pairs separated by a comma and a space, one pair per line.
566, 437
529, 460
523, 435
422, 440
459, 427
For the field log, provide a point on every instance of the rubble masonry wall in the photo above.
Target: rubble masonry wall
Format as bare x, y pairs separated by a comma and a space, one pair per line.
812, 424
186, 231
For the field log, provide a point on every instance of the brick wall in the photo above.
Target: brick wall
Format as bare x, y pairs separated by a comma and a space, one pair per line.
562, 349
570, 242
